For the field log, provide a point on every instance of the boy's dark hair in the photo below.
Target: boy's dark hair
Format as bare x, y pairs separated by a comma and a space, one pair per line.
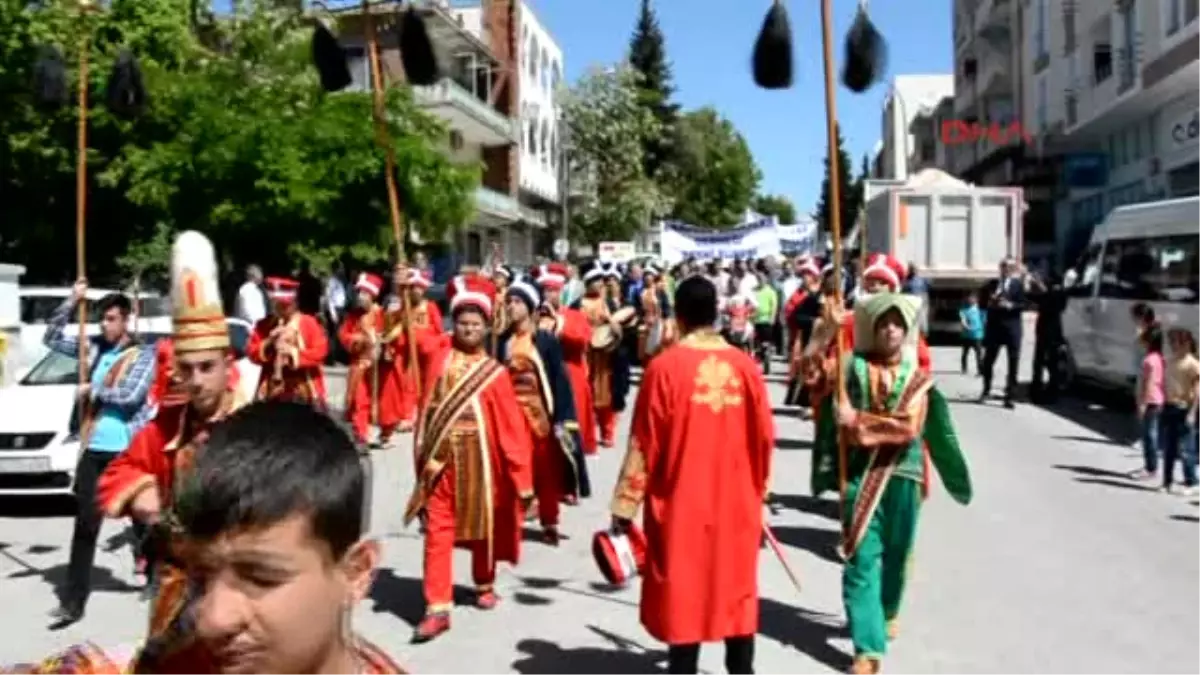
1142, 312
272, 460
117, 300
696, 302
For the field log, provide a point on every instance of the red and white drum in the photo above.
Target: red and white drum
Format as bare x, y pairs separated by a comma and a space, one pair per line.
620, 556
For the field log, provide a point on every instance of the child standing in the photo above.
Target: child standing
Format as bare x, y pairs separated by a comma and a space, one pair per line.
1178, 423
1150, 395
971, 318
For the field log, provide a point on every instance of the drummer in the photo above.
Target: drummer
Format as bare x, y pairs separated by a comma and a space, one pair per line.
656, 328
608, 365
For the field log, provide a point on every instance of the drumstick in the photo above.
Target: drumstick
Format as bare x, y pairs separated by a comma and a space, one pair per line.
779, 554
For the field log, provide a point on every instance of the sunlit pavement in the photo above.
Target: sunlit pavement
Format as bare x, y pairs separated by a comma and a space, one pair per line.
1060, 565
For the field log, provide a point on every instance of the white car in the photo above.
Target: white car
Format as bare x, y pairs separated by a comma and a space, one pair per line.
38, 452
151, 315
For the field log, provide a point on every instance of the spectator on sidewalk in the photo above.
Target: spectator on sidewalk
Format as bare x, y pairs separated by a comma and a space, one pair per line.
252, 299
971, 317
1150, 395
1177, 432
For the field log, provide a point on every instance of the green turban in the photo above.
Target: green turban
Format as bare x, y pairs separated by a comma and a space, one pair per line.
868, 310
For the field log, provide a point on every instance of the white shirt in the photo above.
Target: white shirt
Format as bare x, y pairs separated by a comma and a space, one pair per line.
251, 305
748, 285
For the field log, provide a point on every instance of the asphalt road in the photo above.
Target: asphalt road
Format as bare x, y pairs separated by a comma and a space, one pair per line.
1060, 565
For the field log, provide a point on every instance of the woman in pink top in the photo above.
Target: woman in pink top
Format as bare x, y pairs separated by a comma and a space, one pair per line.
1150, 394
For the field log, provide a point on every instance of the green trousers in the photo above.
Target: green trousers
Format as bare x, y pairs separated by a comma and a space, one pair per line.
873, 578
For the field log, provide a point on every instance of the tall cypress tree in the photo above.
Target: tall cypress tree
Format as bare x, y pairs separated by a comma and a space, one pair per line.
847, 208
647, 54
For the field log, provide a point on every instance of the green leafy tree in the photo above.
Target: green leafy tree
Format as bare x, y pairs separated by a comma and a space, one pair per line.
716, 176
648, 56
775, 205
607, 129
848, 209
242, 145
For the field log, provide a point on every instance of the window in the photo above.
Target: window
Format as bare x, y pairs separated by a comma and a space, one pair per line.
1084, 270
545, 143
1174, 18
533, 146
1134, 140
556, 78
1156, 268
533, 57
545, 70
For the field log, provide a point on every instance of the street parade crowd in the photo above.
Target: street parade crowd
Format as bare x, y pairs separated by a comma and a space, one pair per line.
253, 514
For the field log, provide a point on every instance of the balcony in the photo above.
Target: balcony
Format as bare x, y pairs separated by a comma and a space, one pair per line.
534, 217
466, 113
496, 208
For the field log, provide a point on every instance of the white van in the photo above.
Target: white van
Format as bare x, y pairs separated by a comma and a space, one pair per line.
1140, 253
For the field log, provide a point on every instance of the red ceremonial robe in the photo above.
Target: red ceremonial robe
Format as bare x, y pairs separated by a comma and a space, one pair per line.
426, 317
699, 457
473, 454
574, 333
155, 459
366, 378
302, 370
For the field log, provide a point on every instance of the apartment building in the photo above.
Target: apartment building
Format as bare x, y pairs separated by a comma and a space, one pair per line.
908, 98
479, 100
991, 45
1113, 86
930, 150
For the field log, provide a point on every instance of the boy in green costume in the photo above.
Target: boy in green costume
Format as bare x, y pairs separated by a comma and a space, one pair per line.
890, 416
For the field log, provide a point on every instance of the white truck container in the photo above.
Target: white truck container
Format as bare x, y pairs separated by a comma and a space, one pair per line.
955, 233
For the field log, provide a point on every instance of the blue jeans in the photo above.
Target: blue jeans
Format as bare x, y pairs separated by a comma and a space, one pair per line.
1178, 442
1150, 424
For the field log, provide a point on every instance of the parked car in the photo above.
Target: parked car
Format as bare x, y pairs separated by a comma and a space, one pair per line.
38, 450
151, 311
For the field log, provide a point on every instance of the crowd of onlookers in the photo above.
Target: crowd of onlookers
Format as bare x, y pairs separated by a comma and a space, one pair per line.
1167, 393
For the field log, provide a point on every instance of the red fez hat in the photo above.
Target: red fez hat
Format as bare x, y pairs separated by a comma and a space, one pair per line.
282, 289
471, 290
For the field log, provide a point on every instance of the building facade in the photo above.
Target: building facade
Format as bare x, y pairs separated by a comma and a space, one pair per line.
908, 98
992, 39
1114, 84
479, 99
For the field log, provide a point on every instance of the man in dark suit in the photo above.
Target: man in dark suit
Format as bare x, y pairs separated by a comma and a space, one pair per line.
1005, 303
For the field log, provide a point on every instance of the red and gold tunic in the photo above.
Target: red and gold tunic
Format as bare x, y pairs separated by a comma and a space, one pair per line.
656, 332
294, 371
403, 377
599, 362
574, 333
359, 333
703, 500
158, 458
87, 658
523, 368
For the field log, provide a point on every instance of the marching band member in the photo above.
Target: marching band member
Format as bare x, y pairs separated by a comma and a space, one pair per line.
739, 332
361, 334
291, 347
473, 456
574, 333
608, 370
502, 276
535, 362
141, 482
699, 458
897, 424
886, 274
657, 328
423, 316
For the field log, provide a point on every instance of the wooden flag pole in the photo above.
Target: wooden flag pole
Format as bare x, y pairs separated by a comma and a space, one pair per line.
81, 179
383, 138
835, 224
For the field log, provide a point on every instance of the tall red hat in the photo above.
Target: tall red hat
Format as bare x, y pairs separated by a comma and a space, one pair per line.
808, 266
370, 283
552, 276
885, 268
282, 289
620, 556
421, 278
471, 290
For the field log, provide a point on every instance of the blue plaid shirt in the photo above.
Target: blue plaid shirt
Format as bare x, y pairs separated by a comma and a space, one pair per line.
127, 394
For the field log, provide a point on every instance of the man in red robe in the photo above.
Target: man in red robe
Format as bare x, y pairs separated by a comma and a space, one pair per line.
361, 334
608, 369
422, 316
702, 420
574, 333
473, 457
141, 482
291, 347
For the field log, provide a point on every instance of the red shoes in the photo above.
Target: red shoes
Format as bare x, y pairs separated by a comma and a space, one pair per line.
487, 600
431, 626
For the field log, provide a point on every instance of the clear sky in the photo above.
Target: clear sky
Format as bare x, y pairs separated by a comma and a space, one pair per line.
709, 46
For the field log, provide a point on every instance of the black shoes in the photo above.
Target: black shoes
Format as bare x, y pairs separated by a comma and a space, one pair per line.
63, 616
